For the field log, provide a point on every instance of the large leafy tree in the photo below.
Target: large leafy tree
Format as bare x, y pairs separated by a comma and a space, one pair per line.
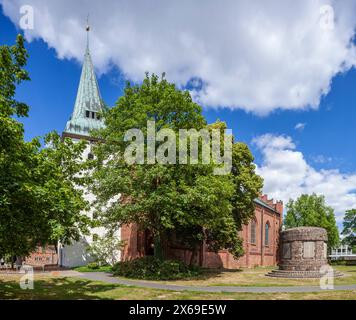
182, 199
39, 202
349, 228
311, 211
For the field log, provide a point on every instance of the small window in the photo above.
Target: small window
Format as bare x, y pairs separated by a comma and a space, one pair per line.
98, 116
95, 237
253, 232
93, 115
87, 114
267, 234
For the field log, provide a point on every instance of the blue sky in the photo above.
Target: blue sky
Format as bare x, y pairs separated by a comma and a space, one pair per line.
326, 145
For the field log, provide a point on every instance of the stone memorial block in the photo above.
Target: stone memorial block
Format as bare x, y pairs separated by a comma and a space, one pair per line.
303, 252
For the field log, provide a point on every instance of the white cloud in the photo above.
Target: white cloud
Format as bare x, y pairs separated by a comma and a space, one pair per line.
258, 55
288, 175
321, 159
300, 126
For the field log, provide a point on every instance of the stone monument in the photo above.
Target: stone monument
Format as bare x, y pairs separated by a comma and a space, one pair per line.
303, 253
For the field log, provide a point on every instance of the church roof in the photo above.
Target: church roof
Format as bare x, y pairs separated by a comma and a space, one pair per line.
263, 204
88, 102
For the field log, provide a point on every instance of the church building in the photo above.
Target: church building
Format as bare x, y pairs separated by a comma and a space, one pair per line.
260, 235
261, 241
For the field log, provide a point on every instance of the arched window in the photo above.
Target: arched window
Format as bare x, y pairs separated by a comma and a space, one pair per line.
253, 232
267, 234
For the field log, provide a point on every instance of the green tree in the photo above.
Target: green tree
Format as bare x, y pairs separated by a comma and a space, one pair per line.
349, 228
311, 211
186, 200
39, 203
105, 250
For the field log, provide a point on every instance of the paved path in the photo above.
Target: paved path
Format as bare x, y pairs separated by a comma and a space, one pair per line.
107, 277
48, 273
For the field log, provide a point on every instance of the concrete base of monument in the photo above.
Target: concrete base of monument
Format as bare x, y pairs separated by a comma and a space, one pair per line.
301, 274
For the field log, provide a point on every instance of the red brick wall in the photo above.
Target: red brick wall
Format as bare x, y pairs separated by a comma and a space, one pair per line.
257, 254
42, 256
133, 246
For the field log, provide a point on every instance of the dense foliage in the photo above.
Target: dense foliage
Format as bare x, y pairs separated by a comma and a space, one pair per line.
311, 211
349, 228
38, 199
166, 198
106, 249
151, 268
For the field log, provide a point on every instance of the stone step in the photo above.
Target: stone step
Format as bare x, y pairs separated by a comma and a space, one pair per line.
295, 271
299, 274
303, 271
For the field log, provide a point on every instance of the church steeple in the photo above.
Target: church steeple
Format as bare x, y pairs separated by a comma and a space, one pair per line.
88, 102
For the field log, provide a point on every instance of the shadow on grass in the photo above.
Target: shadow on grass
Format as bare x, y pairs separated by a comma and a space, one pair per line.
205, 274
220, 270
213, 273
348, 270
55, 288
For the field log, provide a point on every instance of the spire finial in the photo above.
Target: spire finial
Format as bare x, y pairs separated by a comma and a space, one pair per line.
88, 29
88, 26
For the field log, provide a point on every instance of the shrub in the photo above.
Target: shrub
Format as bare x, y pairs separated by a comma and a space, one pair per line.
340, 262
151, 268
106, 249
93, 265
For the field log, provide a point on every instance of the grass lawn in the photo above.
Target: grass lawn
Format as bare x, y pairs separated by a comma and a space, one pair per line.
256, 278
52, 287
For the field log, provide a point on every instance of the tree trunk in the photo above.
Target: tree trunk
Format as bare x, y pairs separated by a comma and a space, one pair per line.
158, 252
